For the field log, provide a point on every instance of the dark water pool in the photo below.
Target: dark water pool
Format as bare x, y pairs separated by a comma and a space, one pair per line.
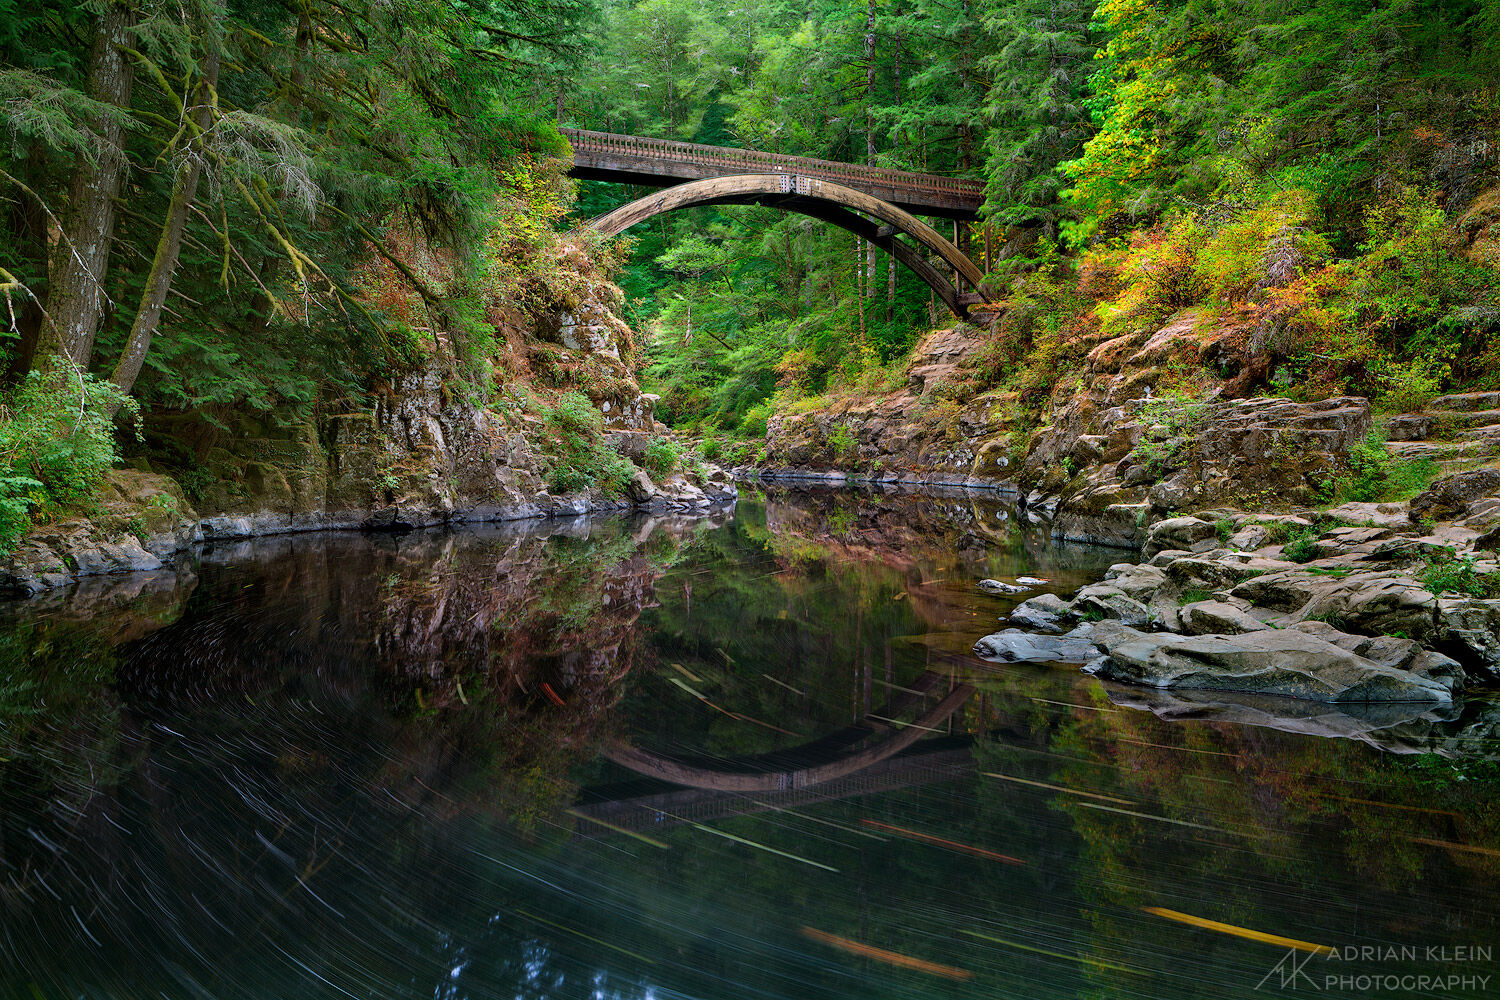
750, 756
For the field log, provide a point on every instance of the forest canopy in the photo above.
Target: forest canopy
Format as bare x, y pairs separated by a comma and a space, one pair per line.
1100, 130
215, 207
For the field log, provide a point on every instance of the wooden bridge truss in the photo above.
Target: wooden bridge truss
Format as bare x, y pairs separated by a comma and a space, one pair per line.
875, 203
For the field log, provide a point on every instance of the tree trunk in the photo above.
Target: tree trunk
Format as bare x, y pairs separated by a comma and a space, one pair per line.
890, 288
869, 132
169, 246
76, 296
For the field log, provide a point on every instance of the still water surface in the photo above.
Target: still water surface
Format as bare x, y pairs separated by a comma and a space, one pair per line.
746, 756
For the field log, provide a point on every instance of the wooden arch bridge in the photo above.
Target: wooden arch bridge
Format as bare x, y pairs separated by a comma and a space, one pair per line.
877, 204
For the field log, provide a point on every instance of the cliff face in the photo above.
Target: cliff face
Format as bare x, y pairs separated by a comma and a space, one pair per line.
436, 447
917, 434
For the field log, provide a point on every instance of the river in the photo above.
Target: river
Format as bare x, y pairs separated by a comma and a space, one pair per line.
745, 755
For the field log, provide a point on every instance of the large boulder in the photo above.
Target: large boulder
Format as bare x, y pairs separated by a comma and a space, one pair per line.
1216, 617
1469, 628
1045, 611
1137, 581
1450, 496
1103, 601
1013, 645
1186, 533
1374, 603
1283, 662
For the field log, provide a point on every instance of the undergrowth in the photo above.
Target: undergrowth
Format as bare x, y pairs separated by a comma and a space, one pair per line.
1448, 572
581, 457
56, 445
1377, 476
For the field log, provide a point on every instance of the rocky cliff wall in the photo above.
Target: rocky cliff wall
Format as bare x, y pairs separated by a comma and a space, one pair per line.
1110, 451
433, 449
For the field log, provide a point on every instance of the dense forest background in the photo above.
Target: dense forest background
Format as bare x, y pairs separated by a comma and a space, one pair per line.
214, 208
1304, 162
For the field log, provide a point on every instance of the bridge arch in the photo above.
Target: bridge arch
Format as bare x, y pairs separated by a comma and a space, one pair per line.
821, 199
748, 777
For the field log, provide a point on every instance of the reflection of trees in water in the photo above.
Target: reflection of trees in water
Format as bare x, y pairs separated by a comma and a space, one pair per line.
1314, 839
306, 714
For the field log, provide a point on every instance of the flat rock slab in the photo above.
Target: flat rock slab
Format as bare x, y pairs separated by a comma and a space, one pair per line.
1217, 618
1393, 726
1380, 515
1015, 646
1283, 662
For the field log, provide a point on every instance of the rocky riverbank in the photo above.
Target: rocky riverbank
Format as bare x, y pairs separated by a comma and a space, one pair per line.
1364, 604
145, 523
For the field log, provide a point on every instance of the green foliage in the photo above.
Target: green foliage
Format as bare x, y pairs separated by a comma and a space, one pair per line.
579, 457
56, 445
17, 494
362, 187
842, 442
1269, 243
1377, 476
1171, 424
1297, 540
1447, 572
1302, 548
663, 455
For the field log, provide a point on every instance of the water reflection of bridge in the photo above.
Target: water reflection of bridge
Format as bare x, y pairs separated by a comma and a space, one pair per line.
641, 806
877, 753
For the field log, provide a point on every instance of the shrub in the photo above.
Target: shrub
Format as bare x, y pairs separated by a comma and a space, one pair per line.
1448, 572
753, 425
575, 417
1269, 244
56, 445
1409, 384
582, 458
1376, 476
663, 455
1162, 265
1302, 548
1171, 421
841, 441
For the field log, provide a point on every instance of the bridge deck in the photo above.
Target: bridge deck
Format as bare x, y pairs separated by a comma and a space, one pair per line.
633, 159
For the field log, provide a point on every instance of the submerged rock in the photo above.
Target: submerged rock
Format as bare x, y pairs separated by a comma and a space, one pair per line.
1001, 587
1395, 726
1285, 662
1013, 645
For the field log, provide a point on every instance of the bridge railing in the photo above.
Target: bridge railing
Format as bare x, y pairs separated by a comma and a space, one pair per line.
756, 161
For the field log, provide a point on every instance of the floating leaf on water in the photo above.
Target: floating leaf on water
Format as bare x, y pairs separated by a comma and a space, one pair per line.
978, 852
889, 957
1236, 931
